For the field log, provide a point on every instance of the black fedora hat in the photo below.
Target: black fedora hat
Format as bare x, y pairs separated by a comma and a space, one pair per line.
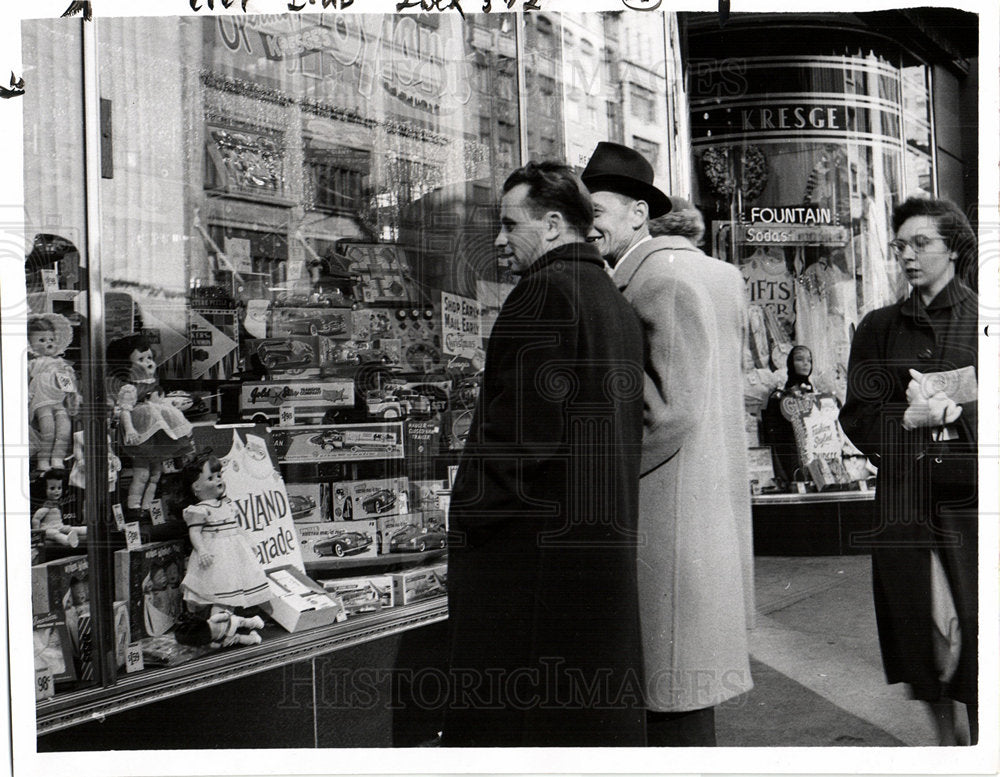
617, 168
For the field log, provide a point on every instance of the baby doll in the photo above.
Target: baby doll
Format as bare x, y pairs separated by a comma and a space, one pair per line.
48, 517
220, 630
52, 390
223, 570
154, 430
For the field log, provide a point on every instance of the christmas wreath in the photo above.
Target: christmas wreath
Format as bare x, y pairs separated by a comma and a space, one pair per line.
753, 171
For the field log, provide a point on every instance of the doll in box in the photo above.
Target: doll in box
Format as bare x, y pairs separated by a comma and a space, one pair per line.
48, 490
223, 571
52, 389
154, 430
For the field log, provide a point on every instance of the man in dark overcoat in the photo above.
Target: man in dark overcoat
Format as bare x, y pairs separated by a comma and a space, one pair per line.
545, 642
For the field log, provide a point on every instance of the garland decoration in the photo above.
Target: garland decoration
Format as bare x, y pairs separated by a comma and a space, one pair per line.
718, 168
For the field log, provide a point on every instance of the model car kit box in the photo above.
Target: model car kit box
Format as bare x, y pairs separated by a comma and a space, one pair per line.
329, 322
426, 494
291, 355
336, 540
148, 577
344, 442
362, 594
308, 502
408, 534
308, 399
298, 603
415, 585
363, 499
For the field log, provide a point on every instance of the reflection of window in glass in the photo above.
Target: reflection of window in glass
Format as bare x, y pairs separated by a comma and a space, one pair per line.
647, 148
643, 103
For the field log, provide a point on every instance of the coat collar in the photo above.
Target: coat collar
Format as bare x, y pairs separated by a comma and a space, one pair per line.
572, 252
628, 267
951, 296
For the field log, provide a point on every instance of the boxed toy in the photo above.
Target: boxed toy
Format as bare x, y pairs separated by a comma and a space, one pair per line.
363, 499
330, 322
423, 438
59, 584
309, 502
344, 442
53, 651
148, 577
123, 632
426, 494
333, 540
409, 534
362, 594
291, 355
298, 603
310, 400
415, 585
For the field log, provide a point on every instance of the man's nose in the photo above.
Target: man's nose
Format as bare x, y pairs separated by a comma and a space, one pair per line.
501, 240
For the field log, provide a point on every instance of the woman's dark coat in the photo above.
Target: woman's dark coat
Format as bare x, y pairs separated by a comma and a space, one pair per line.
923, 500
545, 642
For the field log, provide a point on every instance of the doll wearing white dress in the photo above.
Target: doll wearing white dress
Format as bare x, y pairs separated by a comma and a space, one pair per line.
53, 397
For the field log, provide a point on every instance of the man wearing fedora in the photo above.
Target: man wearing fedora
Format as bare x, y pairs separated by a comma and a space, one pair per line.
695, 562
545, 645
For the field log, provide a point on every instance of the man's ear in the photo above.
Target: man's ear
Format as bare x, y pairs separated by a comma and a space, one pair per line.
638, 214
554, 224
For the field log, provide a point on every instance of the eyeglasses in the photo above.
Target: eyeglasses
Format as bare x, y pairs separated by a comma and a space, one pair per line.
919, 244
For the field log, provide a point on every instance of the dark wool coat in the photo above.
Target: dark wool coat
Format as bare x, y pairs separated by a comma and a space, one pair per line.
545, 646
924, 500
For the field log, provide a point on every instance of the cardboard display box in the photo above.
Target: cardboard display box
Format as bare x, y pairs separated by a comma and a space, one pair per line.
309, 400
329, 322
53, 651
309, 502
426, 494
344, 442
298, 603
364, 499
336, 540
362, 594
416, 585
148, 578
59, 584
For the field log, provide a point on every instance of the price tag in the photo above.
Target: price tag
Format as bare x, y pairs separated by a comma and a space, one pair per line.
133, 658
119, 514
50, 279
156, 511
286, 415
132, 537
65, 382
45, 685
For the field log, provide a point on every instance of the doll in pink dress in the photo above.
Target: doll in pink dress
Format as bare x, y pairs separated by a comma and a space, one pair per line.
154, 430
223, 570
52, 389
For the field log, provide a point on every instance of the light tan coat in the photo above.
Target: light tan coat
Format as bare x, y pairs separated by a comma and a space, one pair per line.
696, 562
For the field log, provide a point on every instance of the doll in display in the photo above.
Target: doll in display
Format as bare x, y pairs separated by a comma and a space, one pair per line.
220, 629
49, 517
53, 397
153, 429
223, 572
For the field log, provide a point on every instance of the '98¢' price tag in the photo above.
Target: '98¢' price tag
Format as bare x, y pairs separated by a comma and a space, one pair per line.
133, 658
45, 686
133, 538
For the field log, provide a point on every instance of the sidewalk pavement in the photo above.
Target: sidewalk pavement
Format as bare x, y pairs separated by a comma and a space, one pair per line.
816, 663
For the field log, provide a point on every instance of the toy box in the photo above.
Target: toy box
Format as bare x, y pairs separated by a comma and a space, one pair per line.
59, 584
292, 355
298, 603
362, 594
334, 540
148, 577
409, 534
370, 323
309, 400
362, 499
344, 442
37, 546
415, 585
123, 631
53, 651
425, 494
309, 502
329, 322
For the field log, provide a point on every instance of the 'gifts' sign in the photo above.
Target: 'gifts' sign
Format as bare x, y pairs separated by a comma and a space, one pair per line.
255, 485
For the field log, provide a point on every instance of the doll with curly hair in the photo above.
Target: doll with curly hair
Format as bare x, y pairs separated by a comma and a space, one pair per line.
53, 397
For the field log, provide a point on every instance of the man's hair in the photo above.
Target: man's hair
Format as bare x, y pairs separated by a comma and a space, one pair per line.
554, 186
953, 226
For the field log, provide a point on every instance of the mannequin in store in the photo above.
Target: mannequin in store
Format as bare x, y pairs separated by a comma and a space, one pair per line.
52, 389
222, 573
777, 430
153, 429
48, 489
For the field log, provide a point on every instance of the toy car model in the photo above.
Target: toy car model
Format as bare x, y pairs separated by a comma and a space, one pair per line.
300, 505
191, 405
328, 440
345, 543
379, 501
414, 539
332, 324
437, 396
290, 355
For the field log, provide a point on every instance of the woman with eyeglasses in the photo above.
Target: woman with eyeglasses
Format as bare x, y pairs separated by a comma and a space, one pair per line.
911, 407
